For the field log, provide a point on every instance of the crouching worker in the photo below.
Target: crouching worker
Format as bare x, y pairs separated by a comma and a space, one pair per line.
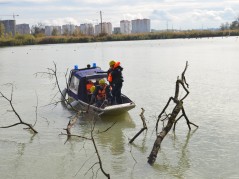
102, 94
91, 98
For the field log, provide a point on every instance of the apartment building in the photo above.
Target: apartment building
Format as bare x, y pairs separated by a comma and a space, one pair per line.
140, 25
49, 30
105, 28
87, 29
68, 29
125, 27
10, 26
116, 30
23, 29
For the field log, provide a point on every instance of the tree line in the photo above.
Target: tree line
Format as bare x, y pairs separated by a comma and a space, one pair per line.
234, 25
33, 40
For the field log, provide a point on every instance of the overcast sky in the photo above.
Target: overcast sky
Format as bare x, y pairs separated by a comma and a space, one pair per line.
177, 14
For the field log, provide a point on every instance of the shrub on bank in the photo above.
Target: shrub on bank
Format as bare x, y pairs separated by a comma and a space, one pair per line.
18, 40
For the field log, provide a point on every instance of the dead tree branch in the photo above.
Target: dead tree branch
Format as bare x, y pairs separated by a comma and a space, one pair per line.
142, 129
163, 111
107, 128
172, 118
96, 150
52, 73
36, 107
15, 112
71, 123
72, 135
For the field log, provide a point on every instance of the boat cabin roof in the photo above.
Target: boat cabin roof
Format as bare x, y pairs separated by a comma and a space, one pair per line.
88, 72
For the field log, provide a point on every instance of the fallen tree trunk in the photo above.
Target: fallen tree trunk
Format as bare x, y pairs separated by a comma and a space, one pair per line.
172, 117
153, 155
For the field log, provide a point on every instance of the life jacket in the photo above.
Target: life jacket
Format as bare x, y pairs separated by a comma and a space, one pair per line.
88, 86
110, 79
101, 93
116, 64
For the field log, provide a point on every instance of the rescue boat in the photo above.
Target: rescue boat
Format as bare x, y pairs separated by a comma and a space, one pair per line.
78, 96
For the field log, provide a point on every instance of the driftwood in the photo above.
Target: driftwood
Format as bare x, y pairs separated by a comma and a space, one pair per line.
142, 129
172, 117
21, 122
72, 123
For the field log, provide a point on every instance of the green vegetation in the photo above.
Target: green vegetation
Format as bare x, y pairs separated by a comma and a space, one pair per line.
42, 39
233, 26
2, 30
18, 40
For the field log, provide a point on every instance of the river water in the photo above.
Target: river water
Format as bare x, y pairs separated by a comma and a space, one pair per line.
150, 71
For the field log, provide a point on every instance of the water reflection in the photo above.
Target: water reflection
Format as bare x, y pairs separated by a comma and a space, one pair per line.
109, 130
21, 147
141, 147
114, 138
183, 158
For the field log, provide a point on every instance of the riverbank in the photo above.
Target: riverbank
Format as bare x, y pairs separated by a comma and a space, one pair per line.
32, 40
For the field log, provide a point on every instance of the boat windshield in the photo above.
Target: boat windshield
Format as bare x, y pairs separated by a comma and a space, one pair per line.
74, 85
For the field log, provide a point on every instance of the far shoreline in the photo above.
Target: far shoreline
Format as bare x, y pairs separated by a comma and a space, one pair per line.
20, 40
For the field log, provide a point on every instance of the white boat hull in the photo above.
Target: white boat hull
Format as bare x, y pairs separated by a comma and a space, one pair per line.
108, 110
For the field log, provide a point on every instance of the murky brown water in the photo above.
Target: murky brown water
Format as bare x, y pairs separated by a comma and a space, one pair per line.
150, 72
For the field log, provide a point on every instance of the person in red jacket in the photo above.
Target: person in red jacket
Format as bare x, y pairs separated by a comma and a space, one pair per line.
116, 80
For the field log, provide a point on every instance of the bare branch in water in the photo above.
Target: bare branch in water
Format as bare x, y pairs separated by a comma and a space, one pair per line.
108, 128
144, 126
173, 115
13, 109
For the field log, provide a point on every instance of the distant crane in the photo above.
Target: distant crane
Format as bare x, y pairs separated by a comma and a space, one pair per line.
101, 22
13, 15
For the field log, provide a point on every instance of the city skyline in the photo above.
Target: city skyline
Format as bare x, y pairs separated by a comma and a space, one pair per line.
177, 14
